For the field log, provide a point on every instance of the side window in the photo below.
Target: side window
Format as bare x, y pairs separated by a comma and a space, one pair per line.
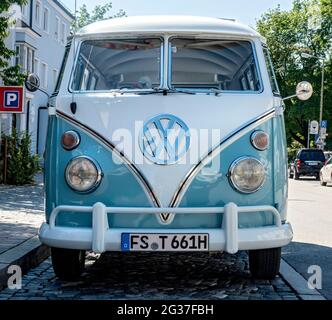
62, 69
270, 70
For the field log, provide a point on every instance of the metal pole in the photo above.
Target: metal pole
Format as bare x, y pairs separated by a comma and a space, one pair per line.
321, 104
308, 141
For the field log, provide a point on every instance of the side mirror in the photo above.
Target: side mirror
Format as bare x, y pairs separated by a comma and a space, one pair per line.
304, 90
32, 82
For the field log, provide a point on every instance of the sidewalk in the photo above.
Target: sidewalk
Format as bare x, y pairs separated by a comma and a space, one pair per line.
21, 214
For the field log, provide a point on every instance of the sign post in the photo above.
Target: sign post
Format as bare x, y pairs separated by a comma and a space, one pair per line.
312, 129
11, 99
322, 133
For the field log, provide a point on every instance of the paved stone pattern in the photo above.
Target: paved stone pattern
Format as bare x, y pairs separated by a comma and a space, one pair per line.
21, 213
176, 276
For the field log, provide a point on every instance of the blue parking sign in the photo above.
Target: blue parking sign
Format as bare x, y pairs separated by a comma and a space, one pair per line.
11, 99
323, 124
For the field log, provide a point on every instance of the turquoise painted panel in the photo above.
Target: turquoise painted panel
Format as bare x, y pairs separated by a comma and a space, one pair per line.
119, 187
280, 166
211, 187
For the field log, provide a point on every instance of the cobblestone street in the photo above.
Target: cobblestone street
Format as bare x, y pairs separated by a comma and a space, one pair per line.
154, 276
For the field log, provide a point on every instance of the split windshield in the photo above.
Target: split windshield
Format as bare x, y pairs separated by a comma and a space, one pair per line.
136, 64
216, 64
118, 64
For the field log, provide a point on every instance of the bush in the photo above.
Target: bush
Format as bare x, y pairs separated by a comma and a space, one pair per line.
22, 165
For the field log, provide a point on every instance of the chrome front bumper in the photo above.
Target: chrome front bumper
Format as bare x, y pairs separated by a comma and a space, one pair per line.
229, 237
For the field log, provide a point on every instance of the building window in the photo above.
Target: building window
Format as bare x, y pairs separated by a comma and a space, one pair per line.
43, 75
45, 19
36, 67
30, 60
55, 76
24, 58
17, 57
24, 10
63, 33
57, 27
37, 13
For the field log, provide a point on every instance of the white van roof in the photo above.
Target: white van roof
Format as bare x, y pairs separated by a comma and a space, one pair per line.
168, 24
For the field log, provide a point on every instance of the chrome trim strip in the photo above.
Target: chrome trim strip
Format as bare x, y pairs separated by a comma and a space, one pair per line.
229, 139
126, 161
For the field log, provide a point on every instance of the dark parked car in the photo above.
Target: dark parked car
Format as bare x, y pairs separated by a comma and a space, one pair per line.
307, 162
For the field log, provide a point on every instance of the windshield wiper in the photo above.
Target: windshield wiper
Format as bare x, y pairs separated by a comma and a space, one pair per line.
165, 92
152, 91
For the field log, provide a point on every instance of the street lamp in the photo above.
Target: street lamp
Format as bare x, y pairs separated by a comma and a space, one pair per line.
308, 56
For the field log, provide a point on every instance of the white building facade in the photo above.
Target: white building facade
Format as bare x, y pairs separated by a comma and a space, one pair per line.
39, 38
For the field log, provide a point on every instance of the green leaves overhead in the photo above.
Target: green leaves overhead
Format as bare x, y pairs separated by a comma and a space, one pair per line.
9, 74
100, 12
307, 27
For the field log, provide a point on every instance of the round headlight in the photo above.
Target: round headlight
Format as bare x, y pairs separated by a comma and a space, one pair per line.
83, 174
247, 174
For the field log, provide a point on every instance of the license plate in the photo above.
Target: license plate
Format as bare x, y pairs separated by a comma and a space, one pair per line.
164, 242
312, 163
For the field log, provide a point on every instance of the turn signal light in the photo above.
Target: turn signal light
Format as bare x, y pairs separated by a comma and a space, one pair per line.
260, 140
70, 140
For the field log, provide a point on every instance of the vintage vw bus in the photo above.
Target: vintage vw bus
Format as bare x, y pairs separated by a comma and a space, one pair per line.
166, 133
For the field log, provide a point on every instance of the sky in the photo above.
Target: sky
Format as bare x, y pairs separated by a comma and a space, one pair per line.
246, 11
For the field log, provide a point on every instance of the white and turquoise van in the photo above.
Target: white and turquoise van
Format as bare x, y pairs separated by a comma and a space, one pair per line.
166, 133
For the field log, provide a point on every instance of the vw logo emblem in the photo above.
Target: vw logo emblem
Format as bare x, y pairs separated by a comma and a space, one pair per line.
164, 139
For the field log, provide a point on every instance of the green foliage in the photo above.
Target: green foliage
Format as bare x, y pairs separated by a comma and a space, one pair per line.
10, 75
307, 27
22, 165
292, 149
100, 12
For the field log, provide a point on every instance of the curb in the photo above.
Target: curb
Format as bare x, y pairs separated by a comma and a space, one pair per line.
298, 283
27, 255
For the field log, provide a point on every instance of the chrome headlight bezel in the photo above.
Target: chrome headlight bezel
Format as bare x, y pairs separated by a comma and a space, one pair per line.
97, 179
231, 175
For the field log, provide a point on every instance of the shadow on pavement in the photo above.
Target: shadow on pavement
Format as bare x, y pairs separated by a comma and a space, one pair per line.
12, 234
302, 255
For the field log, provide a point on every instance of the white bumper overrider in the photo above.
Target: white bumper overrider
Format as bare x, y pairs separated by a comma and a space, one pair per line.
229, 238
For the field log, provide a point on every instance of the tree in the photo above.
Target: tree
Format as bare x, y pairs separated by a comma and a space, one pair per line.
11, 75
100, 12
307, 27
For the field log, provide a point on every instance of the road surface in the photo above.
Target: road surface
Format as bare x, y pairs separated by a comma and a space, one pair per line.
310, 213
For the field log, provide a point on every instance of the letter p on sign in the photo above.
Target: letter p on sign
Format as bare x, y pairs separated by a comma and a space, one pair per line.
11, 99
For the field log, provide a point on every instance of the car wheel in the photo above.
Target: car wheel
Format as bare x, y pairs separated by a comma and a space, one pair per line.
68, 264
322, 183
317, 176
264, 263
296, 176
